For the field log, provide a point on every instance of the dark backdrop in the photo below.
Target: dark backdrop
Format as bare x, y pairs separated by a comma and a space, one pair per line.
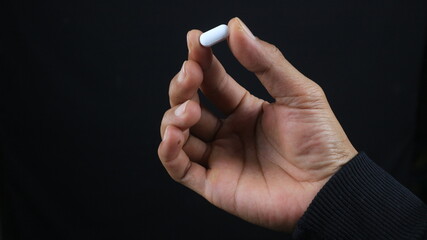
84, 87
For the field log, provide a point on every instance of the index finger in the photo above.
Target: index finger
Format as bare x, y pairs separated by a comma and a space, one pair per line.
218, 86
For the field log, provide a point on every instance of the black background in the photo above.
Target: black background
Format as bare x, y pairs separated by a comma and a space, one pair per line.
84, 86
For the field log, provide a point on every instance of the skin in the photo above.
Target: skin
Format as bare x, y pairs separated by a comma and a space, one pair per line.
265, 162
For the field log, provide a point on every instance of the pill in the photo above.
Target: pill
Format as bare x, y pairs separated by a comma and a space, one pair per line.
214, 36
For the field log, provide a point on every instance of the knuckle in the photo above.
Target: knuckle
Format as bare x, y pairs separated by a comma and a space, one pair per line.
272, 57
316, 90
274, 51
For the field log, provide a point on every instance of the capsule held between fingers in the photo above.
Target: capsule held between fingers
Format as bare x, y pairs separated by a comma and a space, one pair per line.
214, 36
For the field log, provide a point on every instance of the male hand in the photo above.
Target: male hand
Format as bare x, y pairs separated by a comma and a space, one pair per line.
264, 162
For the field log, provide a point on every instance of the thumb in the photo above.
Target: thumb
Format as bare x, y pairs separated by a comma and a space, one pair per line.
277, 75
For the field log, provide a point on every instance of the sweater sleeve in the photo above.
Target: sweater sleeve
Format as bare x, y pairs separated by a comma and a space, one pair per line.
362, 201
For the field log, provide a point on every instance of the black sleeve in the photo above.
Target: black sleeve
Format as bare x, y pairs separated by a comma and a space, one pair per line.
362, 201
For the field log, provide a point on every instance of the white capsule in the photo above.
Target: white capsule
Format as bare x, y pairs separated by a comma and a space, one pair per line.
214, 36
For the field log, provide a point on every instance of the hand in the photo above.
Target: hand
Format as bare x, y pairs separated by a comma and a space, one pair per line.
264, 162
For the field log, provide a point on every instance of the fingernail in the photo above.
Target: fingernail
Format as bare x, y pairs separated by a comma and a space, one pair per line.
181, 109
245, 28
165, 134
182, 73
189, 45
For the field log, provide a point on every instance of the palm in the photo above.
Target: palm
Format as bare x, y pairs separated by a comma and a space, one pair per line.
249, 167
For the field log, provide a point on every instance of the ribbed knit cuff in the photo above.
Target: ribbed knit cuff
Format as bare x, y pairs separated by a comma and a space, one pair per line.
362, 201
